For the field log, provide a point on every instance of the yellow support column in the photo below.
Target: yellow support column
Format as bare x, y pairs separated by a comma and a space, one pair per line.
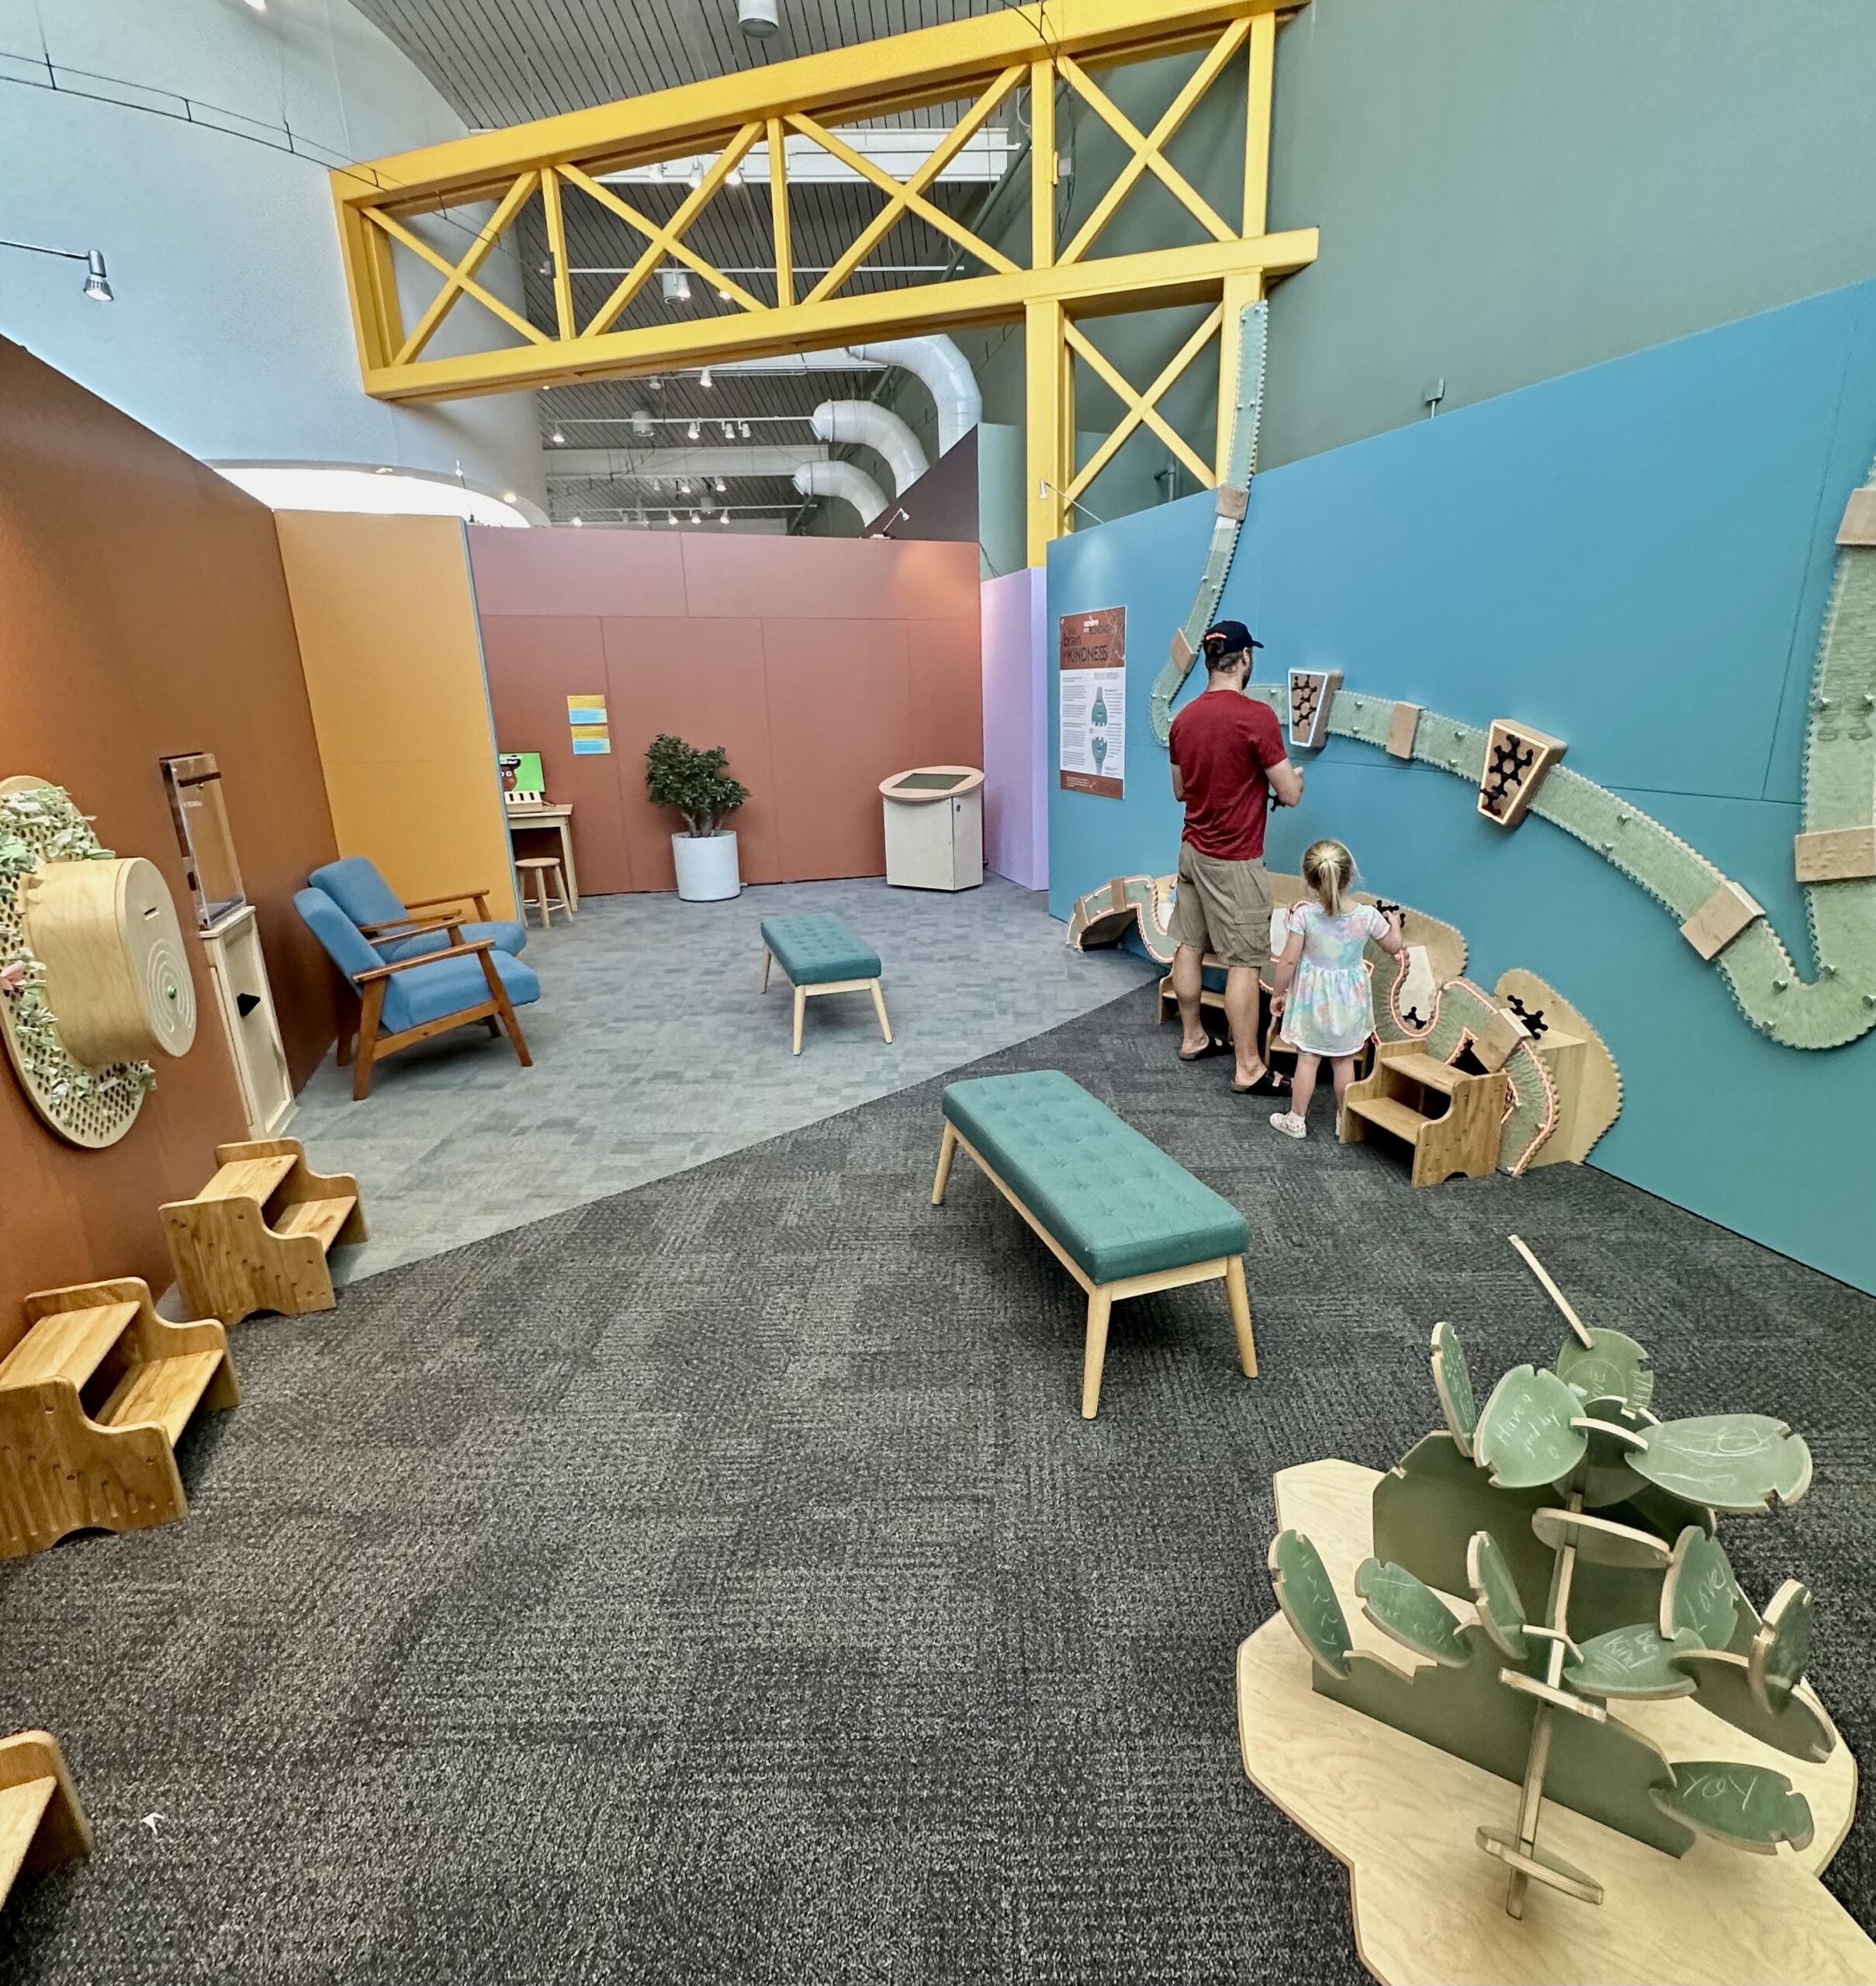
1042, 164
1049, 423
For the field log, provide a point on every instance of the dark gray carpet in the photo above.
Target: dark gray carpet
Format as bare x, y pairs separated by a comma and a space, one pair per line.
718, 1584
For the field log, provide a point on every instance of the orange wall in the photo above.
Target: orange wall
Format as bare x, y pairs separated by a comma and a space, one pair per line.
825, 665
387, 617
143, 612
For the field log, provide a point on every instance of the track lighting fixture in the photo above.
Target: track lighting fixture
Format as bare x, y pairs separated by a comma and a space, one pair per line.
694, 430
558, 439
683, 489
704, 380
671, 516
758, 19
723, 515
745, 427
97, 284
580, 520
721, 486
729, 430
676, 285
695, 178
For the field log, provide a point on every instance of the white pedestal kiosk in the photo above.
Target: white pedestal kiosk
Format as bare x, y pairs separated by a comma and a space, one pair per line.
934, 828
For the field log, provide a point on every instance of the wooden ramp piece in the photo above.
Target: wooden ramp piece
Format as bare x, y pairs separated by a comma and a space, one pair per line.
42, 1823
257, 1236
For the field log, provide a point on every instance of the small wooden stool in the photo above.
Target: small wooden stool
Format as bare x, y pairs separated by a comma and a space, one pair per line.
544, 868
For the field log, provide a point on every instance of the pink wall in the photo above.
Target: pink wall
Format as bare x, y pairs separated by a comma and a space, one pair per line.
825, 665
1015, 729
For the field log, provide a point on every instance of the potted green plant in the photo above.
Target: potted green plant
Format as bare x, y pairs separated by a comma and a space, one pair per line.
695, 785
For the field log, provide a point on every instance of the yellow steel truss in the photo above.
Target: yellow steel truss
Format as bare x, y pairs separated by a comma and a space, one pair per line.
1057, 44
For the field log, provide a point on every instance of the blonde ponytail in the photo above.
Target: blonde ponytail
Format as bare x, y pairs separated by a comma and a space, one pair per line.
1328, 868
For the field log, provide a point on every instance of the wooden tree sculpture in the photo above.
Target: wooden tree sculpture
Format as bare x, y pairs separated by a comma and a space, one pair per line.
1583, 1526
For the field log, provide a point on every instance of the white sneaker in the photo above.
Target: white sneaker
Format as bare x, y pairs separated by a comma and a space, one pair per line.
1290, 1123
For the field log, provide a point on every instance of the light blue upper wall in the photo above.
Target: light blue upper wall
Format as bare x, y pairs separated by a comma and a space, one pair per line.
1636, 558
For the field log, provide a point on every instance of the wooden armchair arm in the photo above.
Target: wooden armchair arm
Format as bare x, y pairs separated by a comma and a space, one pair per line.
478, 897
458, 951
403, 927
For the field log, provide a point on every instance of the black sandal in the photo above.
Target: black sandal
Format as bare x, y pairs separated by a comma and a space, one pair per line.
1268, 1083
1213, 1047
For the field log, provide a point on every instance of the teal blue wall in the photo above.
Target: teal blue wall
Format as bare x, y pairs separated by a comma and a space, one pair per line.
1635, 558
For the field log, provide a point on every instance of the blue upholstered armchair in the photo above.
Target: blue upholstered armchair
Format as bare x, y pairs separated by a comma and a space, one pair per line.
405, 1000
398, 930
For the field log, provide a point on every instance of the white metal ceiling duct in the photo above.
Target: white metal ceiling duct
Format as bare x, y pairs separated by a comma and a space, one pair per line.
872, 425
842, 480
947, 374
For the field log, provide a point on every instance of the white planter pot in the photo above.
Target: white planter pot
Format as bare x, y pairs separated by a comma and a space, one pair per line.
707, 868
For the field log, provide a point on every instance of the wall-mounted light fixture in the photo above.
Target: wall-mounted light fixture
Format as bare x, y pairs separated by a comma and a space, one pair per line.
1044, 485
97, 284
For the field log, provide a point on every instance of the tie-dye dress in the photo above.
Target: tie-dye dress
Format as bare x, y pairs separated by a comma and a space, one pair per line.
1329, 1011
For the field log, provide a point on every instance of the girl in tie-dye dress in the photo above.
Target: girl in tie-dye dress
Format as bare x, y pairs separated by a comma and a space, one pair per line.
1321, 982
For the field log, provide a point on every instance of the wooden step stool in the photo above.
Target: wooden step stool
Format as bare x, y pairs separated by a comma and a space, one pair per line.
545, 869
92, 1400
41, 1821
1452, 1119
257, 1236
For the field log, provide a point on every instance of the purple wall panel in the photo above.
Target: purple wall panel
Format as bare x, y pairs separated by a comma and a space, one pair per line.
1016, 729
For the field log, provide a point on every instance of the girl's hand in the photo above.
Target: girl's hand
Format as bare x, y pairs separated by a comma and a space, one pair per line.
1276, 1005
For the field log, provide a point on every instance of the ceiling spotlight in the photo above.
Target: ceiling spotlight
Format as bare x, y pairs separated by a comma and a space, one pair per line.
671, 516
580, 520
655, 383
723, 515
558, 439
641, 423
705, 379
694, 430
694, 517
683, 489
97, 285
508, 495
758, 19
736, 175
676, 284
744, 427
695, 178
547, 265
721, 486
729, 430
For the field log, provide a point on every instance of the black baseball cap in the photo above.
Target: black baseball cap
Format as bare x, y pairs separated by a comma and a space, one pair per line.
1228, 637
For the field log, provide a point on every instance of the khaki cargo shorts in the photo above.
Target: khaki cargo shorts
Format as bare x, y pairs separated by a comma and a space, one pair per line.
1223, 907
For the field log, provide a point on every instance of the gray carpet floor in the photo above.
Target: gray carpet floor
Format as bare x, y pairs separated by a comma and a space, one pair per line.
717, 1582
652, 1051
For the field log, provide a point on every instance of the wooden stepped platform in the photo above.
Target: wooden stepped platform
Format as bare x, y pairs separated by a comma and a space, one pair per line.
92, 1401
41, 1822
257, 1236
1449, 1117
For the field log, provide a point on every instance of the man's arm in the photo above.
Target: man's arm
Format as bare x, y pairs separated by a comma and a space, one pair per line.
1179, 784
1286, 782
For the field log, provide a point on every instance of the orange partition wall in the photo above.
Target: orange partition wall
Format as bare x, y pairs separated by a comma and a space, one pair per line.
386, 616
824, 665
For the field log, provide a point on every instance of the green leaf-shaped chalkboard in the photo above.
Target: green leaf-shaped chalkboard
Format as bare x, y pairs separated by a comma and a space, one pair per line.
1700, 1598
1524, 1436
1775, 1662
1411, 1612
1453, 1381
1307, 1595
1723, 1684
1494, 1591
1744, 1806
1612, 1366
1733, 1462
1628, 1662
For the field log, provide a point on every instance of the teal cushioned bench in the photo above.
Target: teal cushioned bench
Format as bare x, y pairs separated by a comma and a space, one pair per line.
821, 954
1122, 1216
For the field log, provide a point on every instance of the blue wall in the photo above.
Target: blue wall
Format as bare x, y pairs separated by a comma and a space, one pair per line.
1636, 559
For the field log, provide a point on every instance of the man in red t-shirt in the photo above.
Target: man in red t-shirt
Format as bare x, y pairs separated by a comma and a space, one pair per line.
1228, 763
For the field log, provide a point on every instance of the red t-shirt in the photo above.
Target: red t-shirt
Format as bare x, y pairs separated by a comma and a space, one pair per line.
1223, 744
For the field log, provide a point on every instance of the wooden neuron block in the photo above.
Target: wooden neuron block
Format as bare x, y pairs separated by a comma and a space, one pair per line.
1720, 920
1312, 694
1494, 1047
1233, 502
1401, 729
1835, 855
1516, 761
1182, 650
1859, 524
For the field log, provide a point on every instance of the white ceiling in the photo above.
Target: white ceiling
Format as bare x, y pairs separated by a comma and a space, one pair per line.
504, 61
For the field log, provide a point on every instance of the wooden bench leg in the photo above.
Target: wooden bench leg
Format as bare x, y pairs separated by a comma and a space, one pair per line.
879, 1007
801, 1008
1239, 1298
947, 1150
367, 1040
767, 956
1100, 1301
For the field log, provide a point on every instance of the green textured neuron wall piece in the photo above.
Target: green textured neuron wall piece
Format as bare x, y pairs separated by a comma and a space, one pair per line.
1525, 1436
1494, 1593
1408, 1611
1729, 1462
1452, 1382
1700, 1600
1306, 1594
1749, 1806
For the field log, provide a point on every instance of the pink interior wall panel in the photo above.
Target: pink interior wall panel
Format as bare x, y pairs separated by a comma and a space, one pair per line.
840, 722
1016, 720
947, 700
705, 680
534, 662
565, 571
827, 579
